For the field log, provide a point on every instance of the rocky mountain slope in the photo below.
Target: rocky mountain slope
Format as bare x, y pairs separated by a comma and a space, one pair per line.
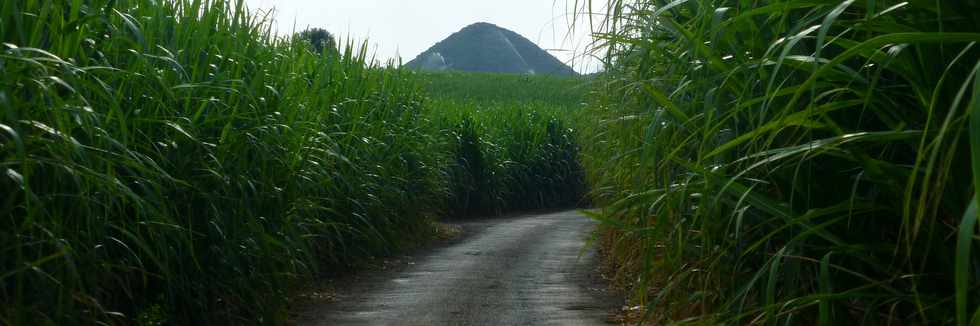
484, 47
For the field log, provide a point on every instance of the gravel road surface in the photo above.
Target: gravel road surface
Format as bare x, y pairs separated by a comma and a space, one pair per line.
527, 270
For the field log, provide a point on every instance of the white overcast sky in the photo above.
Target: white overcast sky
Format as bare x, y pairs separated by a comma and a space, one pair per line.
406, 28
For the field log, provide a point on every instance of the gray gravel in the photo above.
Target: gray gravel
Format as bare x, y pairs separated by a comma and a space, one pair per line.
529, 270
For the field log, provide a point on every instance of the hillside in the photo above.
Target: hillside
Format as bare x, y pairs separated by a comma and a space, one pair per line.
484, 47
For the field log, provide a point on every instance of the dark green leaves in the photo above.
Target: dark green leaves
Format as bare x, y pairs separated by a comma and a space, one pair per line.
805, 128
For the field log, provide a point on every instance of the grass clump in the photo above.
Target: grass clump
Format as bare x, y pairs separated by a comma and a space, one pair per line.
172, 158
485, 89
511, 139
792, 162
509, 157
174, 162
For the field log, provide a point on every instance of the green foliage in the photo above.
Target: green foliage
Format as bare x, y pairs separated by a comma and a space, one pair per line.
319, 40
790, 161
171, 160
487, 89
510, 157
512, 139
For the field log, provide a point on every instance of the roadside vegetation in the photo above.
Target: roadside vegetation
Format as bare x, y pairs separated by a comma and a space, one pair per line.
512, 140
790, 162
174, 162
485, 89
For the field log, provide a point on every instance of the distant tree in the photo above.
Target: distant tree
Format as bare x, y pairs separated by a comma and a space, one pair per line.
319, 40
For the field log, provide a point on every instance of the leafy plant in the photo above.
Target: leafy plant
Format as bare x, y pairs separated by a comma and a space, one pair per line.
791, 161
512, 139
174, 162
319, 40
172, 159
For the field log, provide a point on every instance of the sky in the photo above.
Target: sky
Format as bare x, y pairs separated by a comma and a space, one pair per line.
406, 28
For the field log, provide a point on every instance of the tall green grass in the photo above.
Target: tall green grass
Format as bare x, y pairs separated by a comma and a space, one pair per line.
790, 161
495, 88
172, 161
509, 157
511, 139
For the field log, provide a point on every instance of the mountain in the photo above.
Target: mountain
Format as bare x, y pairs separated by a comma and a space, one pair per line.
485, 47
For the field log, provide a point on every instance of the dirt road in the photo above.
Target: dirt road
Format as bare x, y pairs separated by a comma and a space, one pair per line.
529, 270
